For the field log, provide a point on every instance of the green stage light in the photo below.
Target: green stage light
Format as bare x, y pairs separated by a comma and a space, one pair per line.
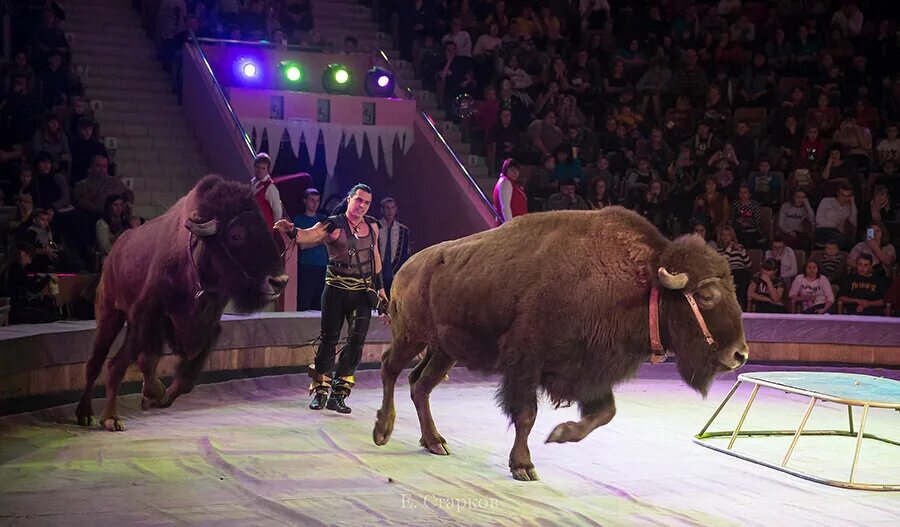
337, 79
292, 73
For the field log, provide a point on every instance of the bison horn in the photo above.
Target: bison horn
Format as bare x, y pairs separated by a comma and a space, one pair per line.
202, 229
670, 281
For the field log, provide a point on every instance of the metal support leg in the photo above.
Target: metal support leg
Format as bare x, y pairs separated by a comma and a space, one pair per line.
850, 416
787, 456
719, 409
859, 438
743, 416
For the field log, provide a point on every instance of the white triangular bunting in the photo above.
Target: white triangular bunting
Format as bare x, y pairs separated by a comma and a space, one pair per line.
332, 136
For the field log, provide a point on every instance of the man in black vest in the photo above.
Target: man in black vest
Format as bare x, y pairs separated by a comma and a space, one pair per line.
353, 289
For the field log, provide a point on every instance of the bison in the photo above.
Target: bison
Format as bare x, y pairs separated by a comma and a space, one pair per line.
170, 280
558, 302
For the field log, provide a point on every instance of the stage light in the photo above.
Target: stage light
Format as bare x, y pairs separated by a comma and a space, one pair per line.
292, 73
337, 79
248, 69
379, 82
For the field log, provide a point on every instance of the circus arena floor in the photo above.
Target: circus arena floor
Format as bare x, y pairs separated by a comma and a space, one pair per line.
249, 453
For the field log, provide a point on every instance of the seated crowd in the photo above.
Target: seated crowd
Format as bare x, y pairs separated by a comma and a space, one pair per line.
768, 128
60, 207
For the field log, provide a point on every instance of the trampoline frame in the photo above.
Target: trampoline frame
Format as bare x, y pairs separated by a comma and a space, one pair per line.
702, 437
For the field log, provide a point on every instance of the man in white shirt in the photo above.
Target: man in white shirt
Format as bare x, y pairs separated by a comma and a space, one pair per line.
786, 256
460, 37
836, 219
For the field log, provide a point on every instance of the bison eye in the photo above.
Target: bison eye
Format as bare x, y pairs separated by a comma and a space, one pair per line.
236, 235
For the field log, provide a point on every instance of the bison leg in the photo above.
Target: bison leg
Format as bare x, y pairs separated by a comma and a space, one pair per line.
594, 414
153, 390
109, 323
115, 372
392, 363
519, 397
439, 363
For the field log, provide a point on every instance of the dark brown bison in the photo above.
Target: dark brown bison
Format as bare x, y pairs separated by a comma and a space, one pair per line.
557, 302
170, 280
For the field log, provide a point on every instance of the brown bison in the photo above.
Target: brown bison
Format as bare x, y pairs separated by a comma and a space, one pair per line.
558, 302
170, 280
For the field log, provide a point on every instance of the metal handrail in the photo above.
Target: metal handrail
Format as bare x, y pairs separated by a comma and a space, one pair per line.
425, 117
270, 45
222, 98
459, 164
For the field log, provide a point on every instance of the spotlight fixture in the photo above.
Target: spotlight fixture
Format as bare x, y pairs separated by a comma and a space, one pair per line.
379, 82
337, 79
247, 69
290, 74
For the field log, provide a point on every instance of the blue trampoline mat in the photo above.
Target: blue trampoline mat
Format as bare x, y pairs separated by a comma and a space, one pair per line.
846, 387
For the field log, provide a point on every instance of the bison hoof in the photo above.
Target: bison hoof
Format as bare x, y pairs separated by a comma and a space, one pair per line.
85, 420
564, 433
438, 446
113, 425
525, 474
381, 434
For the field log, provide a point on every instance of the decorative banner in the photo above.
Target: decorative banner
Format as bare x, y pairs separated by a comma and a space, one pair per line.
333, 135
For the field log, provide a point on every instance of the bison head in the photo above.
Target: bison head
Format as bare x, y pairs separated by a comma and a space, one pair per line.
237, 257
690, 268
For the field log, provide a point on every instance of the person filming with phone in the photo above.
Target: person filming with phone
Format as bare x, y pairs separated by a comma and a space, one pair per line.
877, 245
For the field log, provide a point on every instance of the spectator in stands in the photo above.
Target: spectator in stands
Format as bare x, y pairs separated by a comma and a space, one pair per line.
812, 150
78, 110
23, 216
253, 20
823, 117
724, 178
91, 192
52, 190
460, 37
50, 38
394, 242
652, 206
23, 290
833, 262
313, 260
25, 185
567, 198
17, 113
264, 189
84, 147
785, 256
758, 83
849, 20
655, 82
38, 235
510, 199
812, 291
766, 289
351, 45
888, 149
796, 221
690, 79
836, 218
296, 18
738, 260
114, 222
716, 205
55, 82
600, 197
746, 218
765, 184
700, 230
502, 140
170, 20
18, 67
52, 139
544, 134
704, 143
638, 179
878, 246
567, 168
856, 140
863, 293
877, 210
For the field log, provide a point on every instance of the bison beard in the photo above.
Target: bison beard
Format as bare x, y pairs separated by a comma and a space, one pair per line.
556, 303
170, 280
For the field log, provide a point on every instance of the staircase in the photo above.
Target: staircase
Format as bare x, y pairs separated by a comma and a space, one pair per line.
142, 125
338, 19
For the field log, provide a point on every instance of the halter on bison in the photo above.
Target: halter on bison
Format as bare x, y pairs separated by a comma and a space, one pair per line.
170, 280
557, 302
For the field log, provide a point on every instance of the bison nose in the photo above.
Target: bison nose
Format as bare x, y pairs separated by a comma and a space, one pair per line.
741, 355
278, 283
